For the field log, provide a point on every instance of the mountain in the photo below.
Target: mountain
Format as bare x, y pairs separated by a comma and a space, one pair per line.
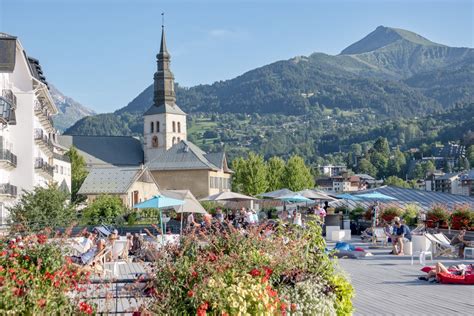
70, 111
402, 53
390, 73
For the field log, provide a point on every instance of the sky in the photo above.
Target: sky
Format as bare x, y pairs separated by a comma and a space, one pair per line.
102, 52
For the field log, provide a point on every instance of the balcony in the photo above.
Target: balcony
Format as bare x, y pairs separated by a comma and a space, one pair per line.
42, 113
64, 158
43, 168
7, 107
8, 191
7, 159
43, 141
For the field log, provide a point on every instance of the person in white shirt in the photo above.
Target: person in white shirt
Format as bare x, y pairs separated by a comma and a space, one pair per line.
87, 241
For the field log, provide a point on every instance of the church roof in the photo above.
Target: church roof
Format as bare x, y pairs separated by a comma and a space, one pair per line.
112, 180
164, 108
106, 150
183, 156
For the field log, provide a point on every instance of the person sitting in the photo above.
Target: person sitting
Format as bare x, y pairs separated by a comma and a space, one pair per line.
403, 235
460, 242
136, 244
459, 269
88, 256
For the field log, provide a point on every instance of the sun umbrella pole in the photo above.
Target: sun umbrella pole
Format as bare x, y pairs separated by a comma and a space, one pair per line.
161, 227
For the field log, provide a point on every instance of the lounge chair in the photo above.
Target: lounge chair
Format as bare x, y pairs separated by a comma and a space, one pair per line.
441, 245
380, 235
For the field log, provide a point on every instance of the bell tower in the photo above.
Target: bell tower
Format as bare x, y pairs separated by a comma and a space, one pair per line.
164, 122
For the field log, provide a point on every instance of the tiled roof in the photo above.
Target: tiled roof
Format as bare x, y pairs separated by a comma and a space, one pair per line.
164, 108
183, 155
106, 150
110, 180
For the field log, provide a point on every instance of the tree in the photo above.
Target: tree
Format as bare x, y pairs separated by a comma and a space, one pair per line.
470, 155
429, 167
78, 174
275, 172
380, 162
396, 182
381, 146
255, 175
238, 166
297, 175
43, 207
418, 172
105, 209
365, 166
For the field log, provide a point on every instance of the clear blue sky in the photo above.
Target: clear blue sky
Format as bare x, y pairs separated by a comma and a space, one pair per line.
102, 52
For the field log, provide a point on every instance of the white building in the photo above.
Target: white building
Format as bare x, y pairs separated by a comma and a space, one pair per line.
28, 138
332, 170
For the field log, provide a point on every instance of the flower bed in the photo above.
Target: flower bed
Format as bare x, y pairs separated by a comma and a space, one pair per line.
35, 278
261, 272
461, 217
438, 214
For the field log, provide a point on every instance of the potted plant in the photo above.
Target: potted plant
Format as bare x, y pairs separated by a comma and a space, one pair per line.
462, 216
438, 216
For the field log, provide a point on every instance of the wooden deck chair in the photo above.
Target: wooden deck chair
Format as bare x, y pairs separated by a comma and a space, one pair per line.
97, 264
442, 248
380, 235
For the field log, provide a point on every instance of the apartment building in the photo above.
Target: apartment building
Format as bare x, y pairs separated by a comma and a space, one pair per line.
29, 151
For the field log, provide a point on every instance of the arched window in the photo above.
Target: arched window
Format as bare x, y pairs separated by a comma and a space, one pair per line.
174, 140
179, 127
174, 127
154, 141
151, 127
157, 126
178, 139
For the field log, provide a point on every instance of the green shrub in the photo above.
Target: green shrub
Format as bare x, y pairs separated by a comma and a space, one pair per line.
389, 213
411, 214
105, 209
357, 213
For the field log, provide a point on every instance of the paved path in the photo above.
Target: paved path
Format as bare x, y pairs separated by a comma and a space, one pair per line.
388, 285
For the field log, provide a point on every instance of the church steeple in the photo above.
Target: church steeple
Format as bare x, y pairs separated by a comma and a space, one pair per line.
163, 78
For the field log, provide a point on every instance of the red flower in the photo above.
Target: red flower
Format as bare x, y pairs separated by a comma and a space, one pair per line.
293, 307
41, 238
86, 308
282, 306
255, 272
190, 293
3, 253
194, 274
268, 271
212, 257
11, 270
41, 302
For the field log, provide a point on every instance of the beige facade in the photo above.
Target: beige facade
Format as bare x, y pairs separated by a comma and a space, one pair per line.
138, 192
196, 181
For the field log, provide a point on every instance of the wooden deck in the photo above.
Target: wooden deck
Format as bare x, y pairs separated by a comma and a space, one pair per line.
389, 285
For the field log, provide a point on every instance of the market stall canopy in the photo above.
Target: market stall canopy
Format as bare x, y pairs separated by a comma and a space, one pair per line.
376, 196
346, 196
228, 196
315, 195
276, 194
160, 202
191, 204
294, 198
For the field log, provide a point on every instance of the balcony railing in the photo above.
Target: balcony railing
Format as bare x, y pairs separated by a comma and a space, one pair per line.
7, 155
43, 166
8, 189
43, 113
7, 111
61, 157
43, 140
10, 97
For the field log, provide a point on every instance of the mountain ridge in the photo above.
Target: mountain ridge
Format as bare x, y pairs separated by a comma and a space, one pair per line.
377, 81
70, 111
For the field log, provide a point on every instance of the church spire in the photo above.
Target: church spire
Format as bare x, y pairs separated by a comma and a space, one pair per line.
163, 78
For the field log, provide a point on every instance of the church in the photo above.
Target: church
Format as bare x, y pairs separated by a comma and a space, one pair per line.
174, 162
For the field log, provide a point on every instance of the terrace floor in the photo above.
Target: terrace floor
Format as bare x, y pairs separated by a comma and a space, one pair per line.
388, 285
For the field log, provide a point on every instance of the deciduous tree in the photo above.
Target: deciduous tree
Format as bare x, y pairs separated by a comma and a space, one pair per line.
297, 174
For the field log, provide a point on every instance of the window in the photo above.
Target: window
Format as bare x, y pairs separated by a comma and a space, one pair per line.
151, 127
157, 126
179, 127
62, 170
174, 140
174, 127
154, 142
178, 139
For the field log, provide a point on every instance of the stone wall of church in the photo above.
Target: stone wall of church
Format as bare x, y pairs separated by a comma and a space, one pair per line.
196, 181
